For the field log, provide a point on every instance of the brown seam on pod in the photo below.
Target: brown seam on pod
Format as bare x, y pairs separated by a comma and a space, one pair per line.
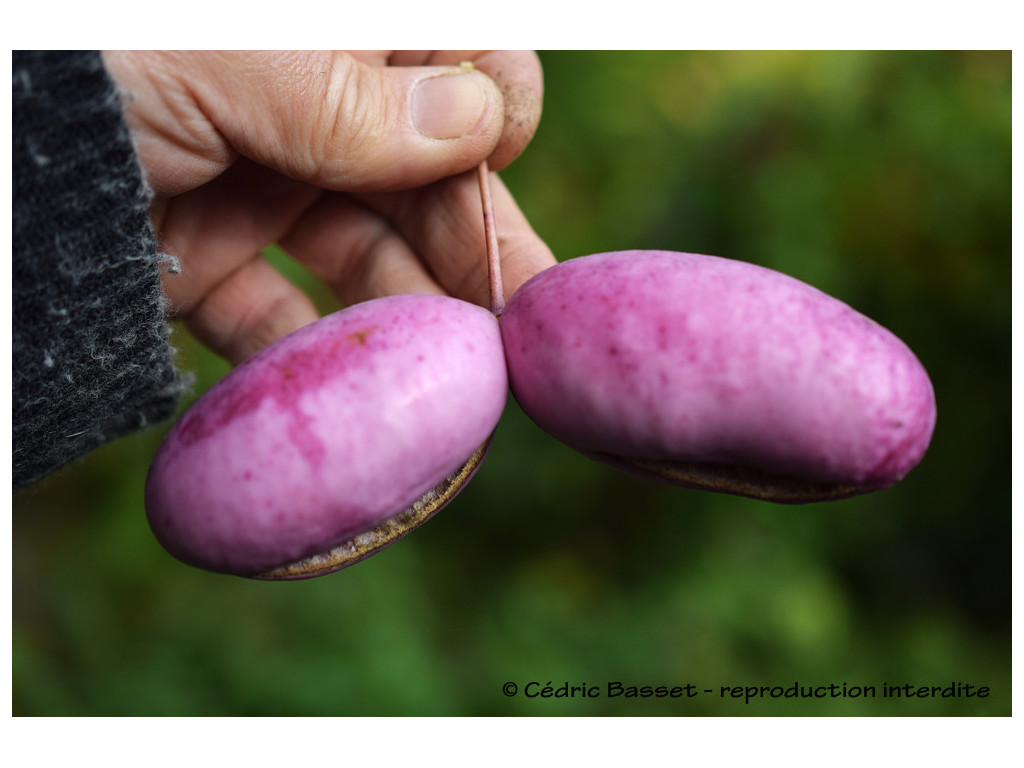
363, 545
735, 479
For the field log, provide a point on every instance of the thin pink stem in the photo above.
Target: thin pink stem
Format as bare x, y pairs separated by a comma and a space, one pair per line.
491, 233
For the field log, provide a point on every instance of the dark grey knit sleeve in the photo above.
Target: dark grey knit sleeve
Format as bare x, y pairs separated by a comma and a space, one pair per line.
91, 359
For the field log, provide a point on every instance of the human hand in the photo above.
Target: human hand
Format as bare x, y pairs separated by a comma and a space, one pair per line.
351, 162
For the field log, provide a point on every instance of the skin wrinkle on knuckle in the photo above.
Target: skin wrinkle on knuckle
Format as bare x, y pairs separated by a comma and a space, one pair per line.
270, 104
290, 85
197, 81
163, 107
351, 106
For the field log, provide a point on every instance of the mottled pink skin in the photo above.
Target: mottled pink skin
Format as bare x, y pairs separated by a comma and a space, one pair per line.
326, 433
681, 357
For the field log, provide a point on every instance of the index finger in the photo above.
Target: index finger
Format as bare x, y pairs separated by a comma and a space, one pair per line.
518, 76
443, 224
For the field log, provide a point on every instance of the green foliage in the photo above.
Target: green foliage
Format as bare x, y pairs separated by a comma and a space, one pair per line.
882, 178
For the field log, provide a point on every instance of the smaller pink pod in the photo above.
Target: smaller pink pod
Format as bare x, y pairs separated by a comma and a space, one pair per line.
717, 374
328, 433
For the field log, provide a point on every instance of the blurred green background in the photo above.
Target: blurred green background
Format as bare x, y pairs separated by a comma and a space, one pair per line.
881, 178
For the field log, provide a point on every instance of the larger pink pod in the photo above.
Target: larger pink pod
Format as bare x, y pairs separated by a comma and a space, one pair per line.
716, 373
327, 433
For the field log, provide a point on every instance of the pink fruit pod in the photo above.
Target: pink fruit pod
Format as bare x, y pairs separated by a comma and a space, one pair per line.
716, 374
332, 442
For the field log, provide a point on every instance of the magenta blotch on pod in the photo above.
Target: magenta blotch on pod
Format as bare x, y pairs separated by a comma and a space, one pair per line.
716, 374
332, 442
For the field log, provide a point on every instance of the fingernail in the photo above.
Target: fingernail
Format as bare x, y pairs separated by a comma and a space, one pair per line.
449, 106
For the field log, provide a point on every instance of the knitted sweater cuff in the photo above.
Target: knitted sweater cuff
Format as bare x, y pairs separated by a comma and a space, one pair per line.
91, 358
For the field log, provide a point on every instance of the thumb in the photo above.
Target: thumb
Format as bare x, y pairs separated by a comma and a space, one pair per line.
331, 120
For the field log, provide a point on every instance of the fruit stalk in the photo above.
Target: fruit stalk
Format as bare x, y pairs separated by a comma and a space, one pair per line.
491, 235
